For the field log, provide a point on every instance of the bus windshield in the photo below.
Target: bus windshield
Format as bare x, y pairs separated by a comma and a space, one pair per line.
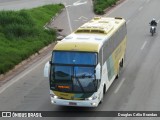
74, 70
81, 58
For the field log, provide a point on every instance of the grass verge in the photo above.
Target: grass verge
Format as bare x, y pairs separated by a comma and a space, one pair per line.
100, 5
22, 34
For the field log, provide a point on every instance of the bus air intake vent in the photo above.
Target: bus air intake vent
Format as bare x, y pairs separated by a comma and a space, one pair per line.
103, 29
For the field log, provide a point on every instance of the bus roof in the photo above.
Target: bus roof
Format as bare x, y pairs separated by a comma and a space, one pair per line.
90, 36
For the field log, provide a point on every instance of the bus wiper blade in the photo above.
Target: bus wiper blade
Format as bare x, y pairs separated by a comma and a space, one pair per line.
85, 76
80, 84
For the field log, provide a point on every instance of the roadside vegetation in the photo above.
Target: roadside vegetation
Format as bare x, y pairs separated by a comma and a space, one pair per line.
100, 5
22, 34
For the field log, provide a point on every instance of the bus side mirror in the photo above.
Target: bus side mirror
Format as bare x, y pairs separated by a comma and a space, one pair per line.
46, 69
98, 72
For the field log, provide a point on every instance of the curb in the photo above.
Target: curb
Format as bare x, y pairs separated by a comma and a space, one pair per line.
114, 5
47, 25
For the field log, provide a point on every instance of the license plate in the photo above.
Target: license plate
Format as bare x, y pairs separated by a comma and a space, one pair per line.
72, 103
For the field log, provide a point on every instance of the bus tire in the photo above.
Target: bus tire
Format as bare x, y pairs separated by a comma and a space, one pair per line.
104, 91
102, 98
121, 63
117, 76
120, 66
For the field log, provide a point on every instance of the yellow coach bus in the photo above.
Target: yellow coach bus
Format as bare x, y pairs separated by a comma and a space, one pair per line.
85, 63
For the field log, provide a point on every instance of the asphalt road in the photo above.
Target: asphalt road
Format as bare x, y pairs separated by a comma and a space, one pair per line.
74, 15
24, 4
137, 89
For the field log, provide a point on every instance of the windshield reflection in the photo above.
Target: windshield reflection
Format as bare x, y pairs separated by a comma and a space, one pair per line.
73, 71
63, 72
80, 79
84, 79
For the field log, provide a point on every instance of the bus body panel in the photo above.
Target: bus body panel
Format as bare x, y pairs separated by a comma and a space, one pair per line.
112, 64
110, 45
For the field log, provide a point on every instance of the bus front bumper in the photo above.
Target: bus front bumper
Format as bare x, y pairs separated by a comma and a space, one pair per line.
78, 103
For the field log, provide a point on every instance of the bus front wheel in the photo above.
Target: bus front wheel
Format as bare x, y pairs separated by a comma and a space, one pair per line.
104, 91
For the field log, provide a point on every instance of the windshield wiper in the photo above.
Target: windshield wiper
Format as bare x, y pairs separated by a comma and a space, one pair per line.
85, 76
80, 84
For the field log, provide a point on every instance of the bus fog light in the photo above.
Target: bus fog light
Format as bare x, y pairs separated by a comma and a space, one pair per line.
52, 101
93, 104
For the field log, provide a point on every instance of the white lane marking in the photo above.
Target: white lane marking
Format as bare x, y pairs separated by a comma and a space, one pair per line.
119, 86
69, 21
91, 2
69, 6
128, 21
140, 8
79, 3
82, 17
144, 44
17, 78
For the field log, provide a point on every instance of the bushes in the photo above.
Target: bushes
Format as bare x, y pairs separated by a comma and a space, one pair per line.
100, 5
22, 34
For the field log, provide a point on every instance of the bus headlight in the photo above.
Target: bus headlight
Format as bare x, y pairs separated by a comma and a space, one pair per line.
53, 96
93, 97
56, 97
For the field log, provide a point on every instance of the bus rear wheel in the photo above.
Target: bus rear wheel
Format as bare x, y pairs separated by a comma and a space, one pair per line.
117, 76
121, 63
120, 67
